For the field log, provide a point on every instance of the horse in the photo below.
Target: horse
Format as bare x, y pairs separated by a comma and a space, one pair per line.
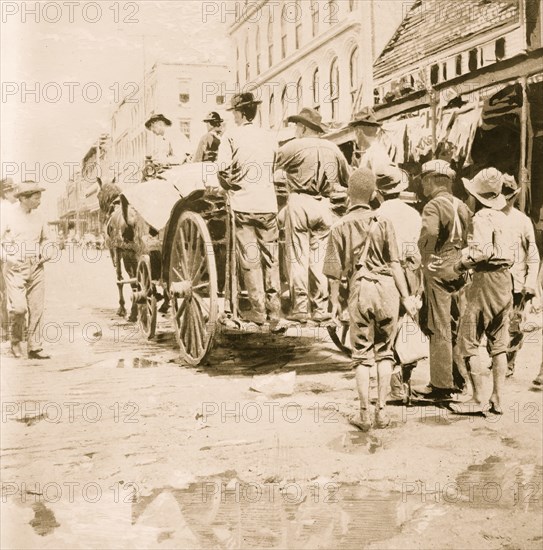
120, 241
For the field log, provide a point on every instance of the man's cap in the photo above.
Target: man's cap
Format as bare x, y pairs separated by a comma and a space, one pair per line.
28, 188
365, 117
213, 117
310, 118
156, 118
510, 187
391, 179
439, 167
242, 100
486, 187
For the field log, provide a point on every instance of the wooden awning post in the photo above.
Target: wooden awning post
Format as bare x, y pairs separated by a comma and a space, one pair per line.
525, 153
433, 114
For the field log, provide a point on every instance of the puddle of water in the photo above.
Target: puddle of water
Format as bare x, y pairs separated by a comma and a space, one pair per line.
497, 483
44, 521
229, 513
356, 441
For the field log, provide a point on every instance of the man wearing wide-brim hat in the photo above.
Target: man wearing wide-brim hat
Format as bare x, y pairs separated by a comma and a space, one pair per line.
315, 169
371, 152
23, 232
489, 255
444, 233
245, 162
524, 269
172, 146
210, 141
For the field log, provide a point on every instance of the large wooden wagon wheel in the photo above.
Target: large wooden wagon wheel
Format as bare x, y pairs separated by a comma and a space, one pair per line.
146, 298
193, 287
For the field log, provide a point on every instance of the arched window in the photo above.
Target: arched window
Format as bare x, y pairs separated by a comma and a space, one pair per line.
247, 64
270, 41
258, 52
314, 18
298, 28
334, 88
284, 100
316, 93
271, 111
299, 95
353, 74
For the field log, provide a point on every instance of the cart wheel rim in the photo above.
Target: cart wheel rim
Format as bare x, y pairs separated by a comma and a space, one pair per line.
147, 308
193, 287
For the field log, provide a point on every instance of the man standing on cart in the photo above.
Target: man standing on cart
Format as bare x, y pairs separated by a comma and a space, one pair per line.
315, 168
245, 160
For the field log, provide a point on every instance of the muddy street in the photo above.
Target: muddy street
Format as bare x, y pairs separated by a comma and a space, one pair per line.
114, 443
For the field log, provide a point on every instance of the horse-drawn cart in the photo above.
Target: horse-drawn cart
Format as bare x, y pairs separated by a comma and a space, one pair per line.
183, 240
183, 234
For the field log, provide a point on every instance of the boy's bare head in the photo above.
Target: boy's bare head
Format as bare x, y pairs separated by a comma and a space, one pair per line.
362, 186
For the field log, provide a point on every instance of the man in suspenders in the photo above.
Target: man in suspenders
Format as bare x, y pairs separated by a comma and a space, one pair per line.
445, 225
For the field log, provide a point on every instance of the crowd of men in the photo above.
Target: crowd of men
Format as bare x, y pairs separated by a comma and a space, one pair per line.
475, 267
462, 270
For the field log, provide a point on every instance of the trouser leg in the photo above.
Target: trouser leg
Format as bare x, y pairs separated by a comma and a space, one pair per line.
297, 243
438, 313
15, 276
267, 234
35, 296
516, 336
318, 282
250, 266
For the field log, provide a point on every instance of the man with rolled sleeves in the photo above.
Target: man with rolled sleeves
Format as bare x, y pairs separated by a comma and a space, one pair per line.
315, 168
445, 226
22, 236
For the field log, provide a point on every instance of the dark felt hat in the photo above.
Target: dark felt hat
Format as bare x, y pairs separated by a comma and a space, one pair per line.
310, 118
242, 100
213, 117
365, 117
157, 118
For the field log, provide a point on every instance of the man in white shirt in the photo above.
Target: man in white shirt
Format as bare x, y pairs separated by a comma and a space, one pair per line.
245, 161
173, 146
407, 224
22, 236
524, 268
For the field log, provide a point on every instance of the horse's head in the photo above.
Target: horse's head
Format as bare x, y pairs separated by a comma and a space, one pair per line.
108, 194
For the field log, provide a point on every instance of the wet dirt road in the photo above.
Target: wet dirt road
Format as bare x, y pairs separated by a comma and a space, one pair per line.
114, 444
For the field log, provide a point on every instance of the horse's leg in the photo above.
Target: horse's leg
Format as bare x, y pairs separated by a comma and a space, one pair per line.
131, 267
121, 312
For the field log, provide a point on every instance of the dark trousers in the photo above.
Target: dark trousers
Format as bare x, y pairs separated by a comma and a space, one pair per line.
257, 238
439, 318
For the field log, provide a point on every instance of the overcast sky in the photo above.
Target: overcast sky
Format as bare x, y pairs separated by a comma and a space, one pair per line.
62, 58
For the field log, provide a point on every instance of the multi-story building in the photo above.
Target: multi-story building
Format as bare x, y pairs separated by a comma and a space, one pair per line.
183, 92
311, 53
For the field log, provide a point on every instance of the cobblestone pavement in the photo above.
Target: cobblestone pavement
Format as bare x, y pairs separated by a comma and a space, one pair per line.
114, 444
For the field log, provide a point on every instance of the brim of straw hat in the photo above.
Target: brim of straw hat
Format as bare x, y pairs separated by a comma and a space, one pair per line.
496, 203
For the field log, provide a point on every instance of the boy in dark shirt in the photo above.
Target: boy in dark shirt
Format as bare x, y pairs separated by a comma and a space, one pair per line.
362, 247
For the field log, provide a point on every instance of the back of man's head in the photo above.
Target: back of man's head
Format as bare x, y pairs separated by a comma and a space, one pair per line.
361, 186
